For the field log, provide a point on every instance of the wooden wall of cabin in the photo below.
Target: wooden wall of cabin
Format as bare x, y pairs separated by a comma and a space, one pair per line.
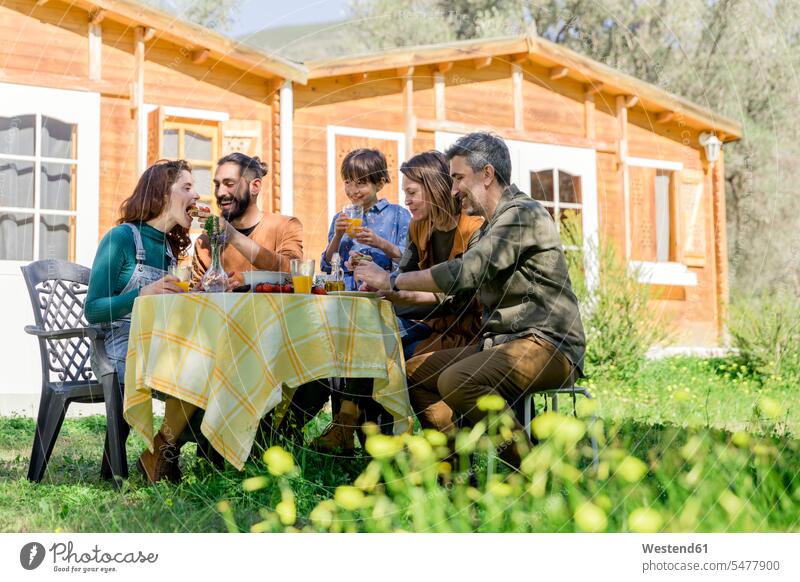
48, 45
374, 103
484, 97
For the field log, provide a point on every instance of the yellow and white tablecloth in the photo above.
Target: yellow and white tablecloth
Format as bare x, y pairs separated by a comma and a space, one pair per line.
239, 355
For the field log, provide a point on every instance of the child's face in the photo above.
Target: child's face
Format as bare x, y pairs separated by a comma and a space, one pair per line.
362, 192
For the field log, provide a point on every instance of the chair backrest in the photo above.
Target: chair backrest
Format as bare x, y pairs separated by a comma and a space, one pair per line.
58, 292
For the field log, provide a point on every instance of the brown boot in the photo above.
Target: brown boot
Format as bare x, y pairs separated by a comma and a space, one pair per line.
162, 463
339, 436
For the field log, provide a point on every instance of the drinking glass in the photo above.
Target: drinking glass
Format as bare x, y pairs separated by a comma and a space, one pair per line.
184, 275
302, 272
355, 213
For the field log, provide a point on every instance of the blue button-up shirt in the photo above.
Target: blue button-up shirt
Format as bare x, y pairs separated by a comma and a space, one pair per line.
388, 221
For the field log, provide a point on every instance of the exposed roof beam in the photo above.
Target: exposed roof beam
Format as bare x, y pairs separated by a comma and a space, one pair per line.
359, 77
631, 101
482, 62
405, 71
97, 15
558, 73
444, 67
665, 116
200, 56
594, 88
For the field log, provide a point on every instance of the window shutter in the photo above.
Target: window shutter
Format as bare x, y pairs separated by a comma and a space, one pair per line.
643, 214
693, 210
155, 130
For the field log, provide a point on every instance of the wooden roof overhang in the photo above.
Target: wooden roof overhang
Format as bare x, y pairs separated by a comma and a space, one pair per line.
202, 42
562, 63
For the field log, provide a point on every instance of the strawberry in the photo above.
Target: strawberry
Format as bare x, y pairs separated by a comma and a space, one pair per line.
318, 291
287, 289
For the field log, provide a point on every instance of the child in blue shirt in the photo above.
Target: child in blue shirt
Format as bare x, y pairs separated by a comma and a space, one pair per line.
382, 237
384, 231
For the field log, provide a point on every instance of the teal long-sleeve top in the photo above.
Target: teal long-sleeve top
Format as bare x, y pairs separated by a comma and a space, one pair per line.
113, 267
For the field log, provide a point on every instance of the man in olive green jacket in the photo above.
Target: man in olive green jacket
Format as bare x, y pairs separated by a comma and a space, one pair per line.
533, 332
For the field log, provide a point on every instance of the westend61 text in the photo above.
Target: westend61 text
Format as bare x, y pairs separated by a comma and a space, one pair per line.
670, 549
64, 553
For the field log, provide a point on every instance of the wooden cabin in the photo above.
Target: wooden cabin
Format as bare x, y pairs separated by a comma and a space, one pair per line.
622, 157
92, 91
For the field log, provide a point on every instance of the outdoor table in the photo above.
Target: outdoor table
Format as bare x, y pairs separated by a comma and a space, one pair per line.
240, 355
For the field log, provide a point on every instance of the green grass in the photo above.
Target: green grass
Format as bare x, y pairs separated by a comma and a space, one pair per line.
693, 392
646, 417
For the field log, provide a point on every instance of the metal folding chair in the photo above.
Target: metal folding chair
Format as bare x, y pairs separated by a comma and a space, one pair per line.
529, 409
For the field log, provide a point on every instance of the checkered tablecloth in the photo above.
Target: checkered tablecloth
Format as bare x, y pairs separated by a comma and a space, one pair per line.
239, 355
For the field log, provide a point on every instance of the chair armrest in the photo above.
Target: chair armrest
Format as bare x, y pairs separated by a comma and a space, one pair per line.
91, 332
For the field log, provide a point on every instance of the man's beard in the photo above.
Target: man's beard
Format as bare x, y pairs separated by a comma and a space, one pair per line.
238, 207
472, 206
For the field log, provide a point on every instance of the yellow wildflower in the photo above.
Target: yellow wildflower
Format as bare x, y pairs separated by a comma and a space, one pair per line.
645, 520
631, 469
349, 497
279, 462
491, 402
590, 518
255, 483
381, 446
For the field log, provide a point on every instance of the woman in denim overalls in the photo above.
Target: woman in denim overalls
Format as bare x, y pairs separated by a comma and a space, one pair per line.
132, 261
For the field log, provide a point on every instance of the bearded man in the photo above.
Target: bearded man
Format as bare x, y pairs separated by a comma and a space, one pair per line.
255, 240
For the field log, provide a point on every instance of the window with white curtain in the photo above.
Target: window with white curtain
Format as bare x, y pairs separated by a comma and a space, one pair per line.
38, 186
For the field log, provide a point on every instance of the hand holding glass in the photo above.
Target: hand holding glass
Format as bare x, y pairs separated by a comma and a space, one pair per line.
183, 274
355, 214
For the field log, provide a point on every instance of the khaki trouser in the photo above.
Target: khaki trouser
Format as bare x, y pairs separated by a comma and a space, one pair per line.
451, 381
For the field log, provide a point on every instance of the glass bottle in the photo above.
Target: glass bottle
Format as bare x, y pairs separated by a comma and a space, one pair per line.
215, 279
335, 281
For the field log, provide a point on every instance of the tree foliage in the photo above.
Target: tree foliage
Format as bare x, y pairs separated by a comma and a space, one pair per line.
215, 14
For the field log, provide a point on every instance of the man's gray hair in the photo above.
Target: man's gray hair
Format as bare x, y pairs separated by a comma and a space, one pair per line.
481, 149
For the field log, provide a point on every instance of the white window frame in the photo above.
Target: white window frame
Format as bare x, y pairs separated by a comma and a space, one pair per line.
570, 159
333, 131
669, 273
72, 107
556, 204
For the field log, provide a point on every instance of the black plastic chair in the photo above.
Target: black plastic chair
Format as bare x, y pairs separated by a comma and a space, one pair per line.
75, 368
67, 346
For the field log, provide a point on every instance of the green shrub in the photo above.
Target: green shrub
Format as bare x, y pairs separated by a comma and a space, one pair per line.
766, 330
618, 317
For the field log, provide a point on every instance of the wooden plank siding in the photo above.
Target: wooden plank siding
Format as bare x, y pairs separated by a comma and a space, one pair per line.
373, 103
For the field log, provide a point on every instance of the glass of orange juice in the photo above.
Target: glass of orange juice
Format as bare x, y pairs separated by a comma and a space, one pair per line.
302, 272
183, 274
355, 213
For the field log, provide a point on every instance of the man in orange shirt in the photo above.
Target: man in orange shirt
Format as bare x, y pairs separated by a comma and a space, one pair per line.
256, 240
263, 241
